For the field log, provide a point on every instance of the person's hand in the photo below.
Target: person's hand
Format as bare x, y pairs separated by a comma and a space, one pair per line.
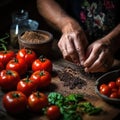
73, 44
99, 57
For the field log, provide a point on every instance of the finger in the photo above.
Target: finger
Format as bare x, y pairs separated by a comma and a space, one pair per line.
71, 50
94, 55
80, 50
99, 64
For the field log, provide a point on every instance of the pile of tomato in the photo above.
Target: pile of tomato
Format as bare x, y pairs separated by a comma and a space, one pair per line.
22, 75
111, 89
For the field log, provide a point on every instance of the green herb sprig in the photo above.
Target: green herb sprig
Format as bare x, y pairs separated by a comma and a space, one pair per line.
3, 42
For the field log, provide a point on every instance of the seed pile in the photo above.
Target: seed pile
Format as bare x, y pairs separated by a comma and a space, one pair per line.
71, 78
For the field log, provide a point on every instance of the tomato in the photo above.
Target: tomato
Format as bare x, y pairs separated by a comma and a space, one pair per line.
114, 95
53, 112
112, 84
28, 55
9, 79
118, 92
18, 65
27, 86
1, 66
15, 102
37, 101
6, 56
118, 81
105, 90
42, 64
42, 78
102, 86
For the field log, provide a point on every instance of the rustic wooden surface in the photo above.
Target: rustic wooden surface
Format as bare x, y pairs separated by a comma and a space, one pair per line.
110, 112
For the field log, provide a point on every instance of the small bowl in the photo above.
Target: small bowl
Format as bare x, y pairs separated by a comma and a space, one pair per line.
38, 40
106, 78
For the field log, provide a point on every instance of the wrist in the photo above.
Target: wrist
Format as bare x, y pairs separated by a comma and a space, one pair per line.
70, 25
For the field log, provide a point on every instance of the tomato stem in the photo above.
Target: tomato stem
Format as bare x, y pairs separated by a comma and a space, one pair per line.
42, 73
9, 72
42, 58
15, 95
29, 51
38, 94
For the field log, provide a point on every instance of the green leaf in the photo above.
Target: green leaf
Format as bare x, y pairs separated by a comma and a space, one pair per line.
74, 98
56, 98
87, 107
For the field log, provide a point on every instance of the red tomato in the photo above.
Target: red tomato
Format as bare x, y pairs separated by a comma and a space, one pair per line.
105, 90
118, 92
26, 86
9, 79
118, 81
42, 78
113, 95
37, 101
42, 64
112, 84
1, 66
53, 112
18, 65
6, 56
102, 86
28, 55
15, 102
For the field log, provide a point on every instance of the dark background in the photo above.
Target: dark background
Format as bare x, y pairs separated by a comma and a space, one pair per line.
7, 7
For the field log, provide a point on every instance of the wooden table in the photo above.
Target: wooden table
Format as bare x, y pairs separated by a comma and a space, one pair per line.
110, 112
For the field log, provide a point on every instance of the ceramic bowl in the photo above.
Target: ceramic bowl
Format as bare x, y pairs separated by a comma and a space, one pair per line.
106, 78
38, 40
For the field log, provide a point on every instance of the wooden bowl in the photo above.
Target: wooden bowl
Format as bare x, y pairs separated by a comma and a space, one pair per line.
106, 78
38, 40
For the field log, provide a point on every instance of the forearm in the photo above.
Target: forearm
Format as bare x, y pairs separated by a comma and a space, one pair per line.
114, 38
55, 15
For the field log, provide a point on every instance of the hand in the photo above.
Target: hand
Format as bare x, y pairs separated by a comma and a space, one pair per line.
99, 57
73, 44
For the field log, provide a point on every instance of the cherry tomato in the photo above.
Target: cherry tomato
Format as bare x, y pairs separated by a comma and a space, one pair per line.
18, 65
9, 79
118, 92
105, 90
53, 112
6, 56
37, 101
28, 55
118, 81
42, 78
114, 95
15, 102
102, 86
42, 64
26, 86
112, 84
1, 66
